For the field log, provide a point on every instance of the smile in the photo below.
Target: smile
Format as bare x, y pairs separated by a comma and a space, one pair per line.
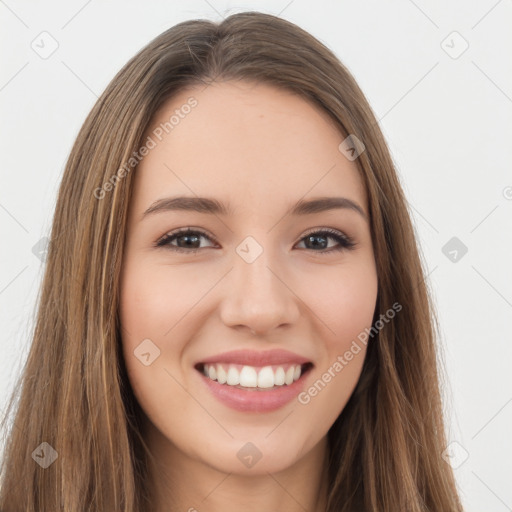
254, 381
244, 376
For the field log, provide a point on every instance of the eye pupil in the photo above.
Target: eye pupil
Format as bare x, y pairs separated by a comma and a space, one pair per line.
188, 237
316, 237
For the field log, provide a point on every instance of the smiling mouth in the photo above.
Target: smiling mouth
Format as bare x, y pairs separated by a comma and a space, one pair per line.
254, 378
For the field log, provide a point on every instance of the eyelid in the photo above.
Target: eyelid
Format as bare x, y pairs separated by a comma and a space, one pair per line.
345, 242
183, 231
348, 243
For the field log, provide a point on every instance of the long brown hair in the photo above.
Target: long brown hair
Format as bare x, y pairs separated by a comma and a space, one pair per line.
385, 447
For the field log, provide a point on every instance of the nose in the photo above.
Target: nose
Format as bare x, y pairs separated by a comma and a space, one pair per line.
258, 297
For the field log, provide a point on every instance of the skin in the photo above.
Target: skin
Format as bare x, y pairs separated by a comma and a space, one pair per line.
260, 149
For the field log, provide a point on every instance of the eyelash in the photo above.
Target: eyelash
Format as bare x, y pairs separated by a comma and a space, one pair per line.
346, 242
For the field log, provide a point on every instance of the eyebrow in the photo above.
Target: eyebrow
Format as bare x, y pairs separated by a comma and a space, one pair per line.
214, 207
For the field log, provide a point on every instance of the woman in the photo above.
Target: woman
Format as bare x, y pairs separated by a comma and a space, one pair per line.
289, 363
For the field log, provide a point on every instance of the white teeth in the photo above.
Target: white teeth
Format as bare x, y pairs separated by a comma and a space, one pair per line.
233, 377
288, 379
266, 377
248, 377
252, 377
279, 376
222, 376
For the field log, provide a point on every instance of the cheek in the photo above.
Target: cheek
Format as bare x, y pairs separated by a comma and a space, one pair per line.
344, 301
145, 317
345, 304
327, 394
154, 299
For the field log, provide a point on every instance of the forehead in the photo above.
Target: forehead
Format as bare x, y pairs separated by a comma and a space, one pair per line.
250, 144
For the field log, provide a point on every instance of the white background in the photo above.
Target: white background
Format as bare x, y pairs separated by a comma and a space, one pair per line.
448, 122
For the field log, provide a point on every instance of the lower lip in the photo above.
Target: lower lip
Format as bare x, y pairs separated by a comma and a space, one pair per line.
255, 399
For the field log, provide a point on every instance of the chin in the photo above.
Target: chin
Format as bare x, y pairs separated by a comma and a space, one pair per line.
254, 455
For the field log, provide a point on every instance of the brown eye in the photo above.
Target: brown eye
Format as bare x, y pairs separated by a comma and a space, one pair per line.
188, 240
320, 239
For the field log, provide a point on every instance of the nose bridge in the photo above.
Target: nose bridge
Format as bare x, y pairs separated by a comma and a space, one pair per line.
253, 271
257, 296
256, 275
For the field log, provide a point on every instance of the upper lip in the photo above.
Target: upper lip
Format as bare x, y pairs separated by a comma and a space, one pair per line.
257, 358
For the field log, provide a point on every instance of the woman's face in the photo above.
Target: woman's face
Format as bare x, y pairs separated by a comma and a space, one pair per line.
257, 295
